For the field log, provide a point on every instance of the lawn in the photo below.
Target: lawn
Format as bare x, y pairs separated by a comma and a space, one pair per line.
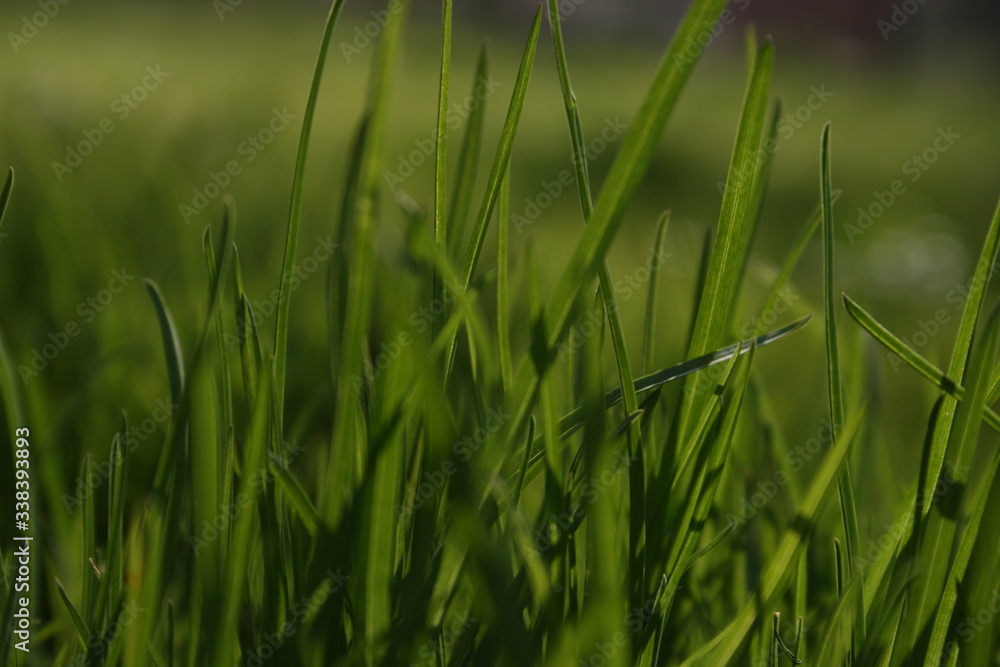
526, 396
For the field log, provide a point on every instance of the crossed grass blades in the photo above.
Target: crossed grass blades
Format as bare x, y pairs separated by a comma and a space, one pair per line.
575, 524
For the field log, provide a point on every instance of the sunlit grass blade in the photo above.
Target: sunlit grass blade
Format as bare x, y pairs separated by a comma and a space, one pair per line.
959, 364
835, 389
940, 528
724, 267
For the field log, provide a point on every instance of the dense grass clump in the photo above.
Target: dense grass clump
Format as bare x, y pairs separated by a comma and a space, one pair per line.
487, 472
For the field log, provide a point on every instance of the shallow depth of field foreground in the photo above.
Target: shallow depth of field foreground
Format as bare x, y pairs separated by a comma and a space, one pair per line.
452, 351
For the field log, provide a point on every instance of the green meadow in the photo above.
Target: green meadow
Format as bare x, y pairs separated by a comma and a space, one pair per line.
387, 338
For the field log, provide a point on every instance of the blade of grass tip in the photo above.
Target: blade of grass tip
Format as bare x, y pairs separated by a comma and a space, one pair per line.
441, 148
913, 358
345, 454
960, 356
712, 318
848, 509
649, 337
81, 627
114, 572
220, 331
637, 470
295, 211
500, 163
468, 159
627, 171
175, 372
723, 649
762, 177
722, 273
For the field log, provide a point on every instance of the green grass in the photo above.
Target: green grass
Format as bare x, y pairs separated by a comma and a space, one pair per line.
467, 448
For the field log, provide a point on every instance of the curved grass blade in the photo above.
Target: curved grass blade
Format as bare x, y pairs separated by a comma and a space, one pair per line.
295, 212
81, 627
503, 151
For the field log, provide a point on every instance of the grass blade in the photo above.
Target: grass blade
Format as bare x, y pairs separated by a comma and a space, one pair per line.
295, 212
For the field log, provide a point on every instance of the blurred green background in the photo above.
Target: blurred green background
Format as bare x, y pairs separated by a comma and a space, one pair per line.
120, 209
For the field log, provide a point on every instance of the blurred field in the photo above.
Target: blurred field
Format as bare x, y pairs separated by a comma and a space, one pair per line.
120, 209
